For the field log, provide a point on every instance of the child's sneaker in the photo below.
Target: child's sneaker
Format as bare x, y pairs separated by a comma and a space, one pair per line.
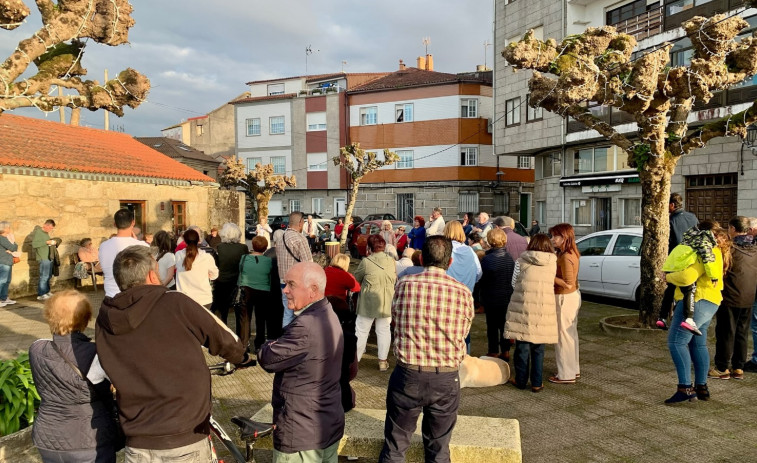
662, 324
689, 324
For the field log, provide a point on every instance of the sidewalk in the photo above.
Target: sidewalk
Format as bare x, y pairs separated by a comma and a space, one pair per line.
614, 414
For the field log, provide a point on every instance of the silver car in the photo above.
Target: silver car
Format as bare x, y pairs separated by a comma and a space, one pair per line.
610, 263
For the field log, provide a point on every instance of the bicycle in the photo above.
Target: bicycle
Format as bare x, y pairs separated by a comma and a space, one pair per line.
249, 431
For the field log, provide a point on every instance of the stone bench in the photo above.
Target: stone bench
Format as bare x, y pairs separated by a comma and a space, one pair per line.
475, 439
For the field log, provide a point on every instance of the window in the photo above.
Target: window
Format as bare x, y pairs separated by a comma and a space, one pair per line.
253, 127
630, 212
512, 109
627, 11
594, 246
548, 165
406, 159
683, 5
404, 112
316, 162
252, 162
469, 157
533, 114
541, 214
501, 203
469, 108
318, 205
369, 115
581, 212
468, 201
199, 130
627, 245
275, 89
599, 159
279, 164
294, 205
277, 125
316, 121
524, 162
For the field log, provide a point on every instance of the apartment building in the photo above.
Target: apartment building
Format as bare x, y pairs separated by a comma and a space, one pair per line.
440, 126
298, 124
579, 177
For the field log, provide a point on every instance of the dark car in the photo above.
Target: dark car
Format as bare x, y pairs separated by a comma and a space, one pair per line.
359, 240
250, 227
278, 222
356, 218
385, 216
520, 229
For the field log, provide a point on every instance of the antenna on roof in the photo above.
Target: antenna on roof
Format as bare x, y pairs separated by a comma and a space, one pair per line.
344, 63
426, 43
308, 51
487, 44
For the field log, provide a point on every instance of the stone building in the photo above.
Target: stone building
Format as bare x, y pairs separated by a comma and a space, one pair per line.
80, 177
580, 177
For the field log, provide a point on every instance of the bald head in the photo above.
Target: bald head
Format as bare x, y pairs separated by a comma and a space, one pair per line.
305, 284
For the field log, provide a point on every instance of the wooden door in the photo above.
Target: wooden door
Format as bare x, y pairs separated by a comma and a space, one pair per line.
712, 197
180, 222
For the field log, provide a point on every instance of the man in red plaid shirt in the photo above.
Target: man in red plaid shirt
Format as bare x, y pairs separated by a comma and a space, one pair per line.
432, 313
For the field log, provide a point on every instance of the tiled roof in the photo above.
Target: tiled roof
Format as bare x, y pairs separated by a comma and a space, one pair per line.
253, 99
175, 149
37, 143
412, 77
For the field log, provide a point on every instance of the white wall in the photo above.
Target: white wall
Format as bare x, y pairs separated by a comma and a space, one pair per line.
263, 111
290, 86
266, 157
425, 109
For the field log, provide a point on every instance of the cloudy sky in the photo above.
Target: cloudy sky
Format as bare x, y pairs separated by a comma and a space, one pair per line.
199, 54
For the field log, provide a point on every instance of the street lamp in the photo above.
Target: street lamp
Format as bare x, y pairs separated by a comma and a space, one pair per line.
751, 136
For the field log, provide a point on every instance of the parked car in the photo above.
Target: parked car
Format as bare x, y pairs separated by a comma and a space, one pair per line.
359, 240
610, 263
250, 228
385, 216
520, 229
319, 223
356, 218
278, 222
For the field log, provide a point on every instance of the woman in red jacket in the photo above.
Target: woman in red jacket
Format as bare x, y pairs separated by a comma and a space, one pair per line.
339, 282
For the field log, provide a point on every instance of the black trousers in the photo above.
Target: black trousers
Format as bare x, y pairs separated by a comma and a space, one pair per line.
731, 337
409, 393
667, 301
223, 293
268, 316
495, 329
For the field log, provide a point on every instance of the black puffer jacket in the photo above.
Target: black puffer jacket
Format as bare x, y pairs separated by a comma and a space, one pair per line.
71, 415
496, 281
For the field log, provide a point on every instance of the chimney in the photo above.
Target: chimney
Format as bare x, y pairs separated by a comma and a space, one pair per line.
402, 65
429, 62
421, 63
482, 68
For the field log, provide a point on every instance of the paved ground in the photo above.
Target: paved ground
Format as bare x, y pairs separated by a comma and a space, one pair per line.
614, 414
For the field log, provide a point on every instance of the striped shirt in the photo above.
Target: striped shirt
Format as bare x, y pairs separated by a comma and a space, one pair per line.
432, 313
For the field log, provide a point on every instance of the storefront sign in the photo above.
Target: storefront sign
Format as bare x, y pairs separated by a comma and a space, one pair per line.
600, 180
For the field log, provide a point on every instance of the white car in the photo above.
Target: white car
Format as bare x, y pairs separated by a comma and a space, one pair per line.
610, 263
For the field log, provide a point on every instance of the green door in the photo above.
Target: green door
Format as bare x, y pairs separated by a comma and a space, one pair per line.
525, 209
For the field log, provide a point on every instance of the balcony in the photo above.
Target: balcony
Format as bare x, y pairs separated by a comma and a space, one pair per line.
322, 90
642, 26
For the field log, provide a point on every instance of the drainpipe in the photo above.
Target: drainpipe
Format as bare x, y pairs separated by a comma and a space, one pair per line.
564, 122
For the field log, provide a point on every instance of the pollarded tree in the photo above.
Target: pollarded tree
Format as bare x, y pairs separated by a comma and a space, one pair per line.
596, 67
57, 48
260, 184
358, 163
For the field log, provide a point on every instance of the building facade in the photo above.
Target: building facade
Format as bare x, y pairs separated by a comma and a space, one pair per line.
579, 177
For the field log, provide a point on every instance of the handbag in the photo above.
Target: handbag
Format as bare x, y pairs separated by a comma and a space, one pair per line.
239, 300
120, 441
16, 260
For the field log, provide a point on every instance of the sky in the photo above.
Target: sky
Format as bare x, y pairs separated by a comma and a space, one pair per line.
198, 55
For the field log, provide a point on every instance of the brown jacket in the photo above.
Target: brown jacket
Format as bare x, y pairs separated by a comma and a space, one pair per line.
740, 283
532, 314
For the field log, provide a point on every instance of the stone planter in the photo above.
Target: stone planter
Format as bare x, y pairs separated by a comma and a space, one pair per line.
617, 327
19, 447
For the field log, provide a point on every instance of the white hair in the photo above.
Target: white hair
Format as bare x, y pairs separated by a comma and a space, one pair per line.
4, 225
408, 252
230, 233
313, 274
484, 214
509, 222
752, 222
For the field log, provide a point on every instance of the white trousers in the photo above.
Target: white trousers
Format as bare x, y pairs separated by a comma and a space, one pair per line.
566, 351
383, 335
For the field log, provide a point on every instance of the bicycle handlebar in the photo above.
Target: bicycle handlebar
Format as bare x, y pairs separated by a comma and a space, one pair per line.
222, 369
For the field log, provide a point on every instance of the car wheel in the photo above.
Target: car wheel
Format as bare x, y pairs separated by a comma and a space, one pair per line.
354, 253
637, 297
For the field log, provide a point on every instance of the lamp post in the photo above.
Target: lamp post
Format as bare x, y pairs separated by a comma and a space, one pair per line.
751, 136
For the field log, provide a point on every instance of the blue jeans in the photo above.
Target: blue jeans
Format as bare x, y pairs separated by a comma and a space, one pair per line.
288, 313
45, 273
524, 350
686, 348
6, 271
754, 332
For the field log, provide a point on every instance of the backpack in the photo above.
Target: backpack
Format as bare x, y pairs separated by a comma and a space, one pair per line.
80, 271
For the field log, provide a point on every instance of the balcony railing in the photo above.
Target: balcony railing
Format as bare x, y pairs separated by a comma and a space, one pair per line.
322, 90
642, 26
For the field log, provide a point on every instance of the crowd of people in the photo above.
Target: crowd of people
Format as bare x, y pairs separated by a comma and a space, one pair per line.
165, 299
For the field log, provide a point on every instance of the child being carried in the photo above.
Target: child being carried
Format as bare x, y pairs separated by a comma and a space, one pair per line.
695, 243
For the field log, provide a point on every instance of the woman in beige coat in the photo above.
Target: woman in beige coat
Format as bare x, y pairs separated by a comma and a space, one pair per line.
376, 275
532, 314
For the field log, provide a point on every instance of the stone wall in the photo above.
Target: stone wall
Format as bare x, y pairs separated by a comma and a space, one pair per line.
83, 207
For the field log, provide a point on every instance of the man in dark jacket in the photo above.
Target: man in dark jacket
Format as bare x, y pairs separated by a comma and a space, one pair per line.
680, 222
148, 341
306, 360
733, 316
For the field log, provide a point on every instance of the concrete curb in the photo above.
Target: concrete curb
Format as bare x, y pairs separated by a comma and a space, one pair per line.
633, 334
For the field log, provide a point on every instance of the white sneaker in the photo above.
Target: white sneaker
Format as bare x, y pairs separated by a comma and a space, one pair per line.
42, 298
3, 303
8, 302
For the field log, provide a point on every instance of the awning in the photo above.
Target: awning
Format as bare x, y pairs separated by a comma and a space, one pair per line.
603, 179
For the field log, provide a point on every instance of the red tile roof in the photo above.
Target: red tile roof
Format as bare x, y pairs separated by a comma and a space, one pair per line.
414, 77
37, 143
284, 96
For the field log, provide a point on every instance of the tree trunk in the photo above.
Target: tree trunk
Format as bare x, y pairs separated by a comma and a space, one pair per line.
655, 186
262, 201
348, 215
